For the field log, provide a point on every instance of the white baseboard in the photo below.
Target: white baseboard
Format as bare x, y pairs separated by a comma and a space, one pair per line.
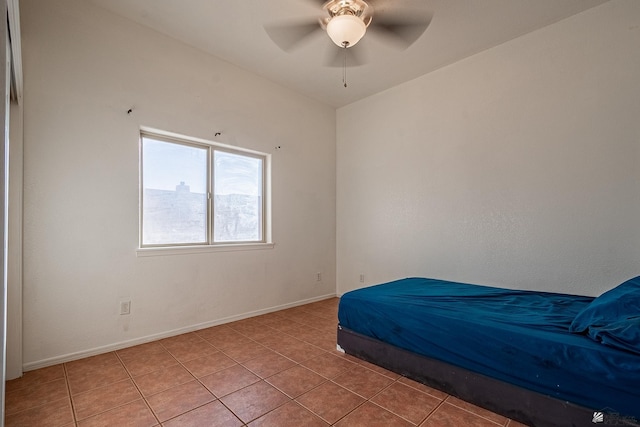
142, 340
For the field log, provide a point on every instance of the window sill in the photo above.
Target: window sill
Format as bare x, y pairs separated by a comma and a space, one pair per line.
184, 250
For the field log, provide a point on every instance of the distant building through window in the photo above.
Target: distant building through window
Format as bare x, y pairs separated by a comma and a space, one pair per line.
196, 193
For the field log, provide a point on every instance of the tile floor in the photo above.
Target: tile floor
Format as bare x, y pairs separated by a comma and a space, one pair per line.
279, 369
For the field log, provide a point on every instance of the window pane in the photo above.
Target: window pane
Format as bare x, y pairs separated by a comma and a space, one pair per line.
237, 198
174, 200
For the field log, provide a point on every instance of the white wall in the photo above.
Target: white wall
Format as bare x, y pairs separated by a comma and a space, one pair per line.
516, 167
4, 211
83, 69
14, 254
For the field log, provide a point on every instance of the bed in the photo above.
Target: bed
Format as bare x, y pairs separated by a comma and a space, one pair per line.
540, 358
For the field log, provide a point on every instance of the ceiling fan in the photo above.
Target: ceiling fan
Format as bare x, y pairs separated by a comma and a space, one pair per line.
347, 21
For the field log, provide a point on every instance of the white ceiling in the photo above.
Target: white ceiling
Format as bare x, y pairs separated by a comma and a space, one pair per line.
234, 31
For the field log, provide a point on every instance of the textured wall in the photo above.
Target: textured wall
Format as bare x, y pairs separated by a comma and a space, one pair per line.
515, 167
84, 68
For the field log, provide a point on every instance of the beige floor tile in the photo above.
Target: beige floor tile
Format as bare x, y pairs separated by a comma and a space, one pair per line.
363, 381
178, 400
163, 379
268, 365
370, 415
134, 414
406, 402
186, 351
447, 415
36, 395
289, 415
229, 380
102, 399
88, 378
145, 362
296, 380
254, 401
53, 414
35, 377
211, 414
330, 401
329, 365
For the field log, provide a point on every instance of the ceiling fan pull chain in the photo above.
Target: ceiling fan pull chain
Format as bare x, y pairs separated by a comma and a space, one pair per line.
344, 64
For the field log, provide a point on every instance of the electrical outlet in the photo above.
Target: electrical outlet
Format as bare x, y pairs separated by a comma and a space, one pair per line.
318, 277
362, 278
125, 307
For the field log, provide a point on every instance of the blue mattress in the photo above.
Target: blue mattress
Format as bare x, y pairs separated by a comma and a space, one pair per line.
521, 337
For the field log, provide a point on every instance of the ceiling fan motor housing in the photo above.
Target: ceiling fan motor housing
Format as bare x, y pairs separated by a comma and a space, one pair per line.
347, 22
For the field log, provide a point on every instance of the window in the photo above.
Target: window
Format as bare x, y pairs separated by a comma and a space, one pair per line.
199, 193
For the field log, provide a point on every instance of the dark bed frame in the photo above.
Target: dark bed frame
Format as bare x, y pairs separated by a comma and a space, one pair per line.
519, 404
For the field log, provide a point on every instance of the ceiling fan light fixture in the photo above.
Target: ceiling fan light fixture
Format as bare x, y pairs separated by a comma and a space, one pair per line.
346, 30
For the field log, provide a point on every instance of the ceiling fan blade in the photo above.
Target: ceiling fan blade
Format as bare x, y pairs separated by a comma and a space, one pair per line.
292, 35
356, 56
401, 31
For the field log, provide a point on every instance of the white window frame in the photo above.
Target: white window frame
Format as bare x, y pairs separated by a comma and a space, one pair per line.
209, 246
